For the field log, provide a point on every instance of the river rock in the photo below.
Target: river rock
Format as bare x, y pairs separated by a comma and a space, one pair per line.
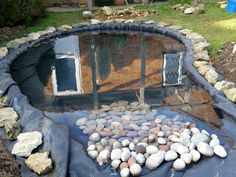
171, 155
26, 143
220, 151
155, 160
117, 145
7, 115
81, 121
33, 36
124, 172
140, 158
93, 154
182, 149
189, 10
124, 165
3, 52
39, 163
205, 149
94, 137
199, 137
103, 157
211, 76
161, 141
125, 143
151, 149
174, 146
195, 155
115, 163
131, 161
195, 130
125, 155
87, 14
116, 154
231, 94
140, 149
186, 157
179, 164
214, 142
135, 169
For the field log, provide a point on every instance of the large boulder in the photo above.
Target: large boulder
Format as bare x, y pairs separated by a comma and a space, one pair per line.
26, 143
39, 163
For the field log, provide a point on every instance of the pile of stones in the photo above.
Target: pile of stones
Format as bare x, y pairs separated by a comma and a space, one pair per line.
109, 13
134, 136
188, 9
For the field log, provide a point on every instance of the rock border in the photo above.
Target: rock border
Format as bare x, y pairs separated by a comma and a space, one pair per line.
196, 57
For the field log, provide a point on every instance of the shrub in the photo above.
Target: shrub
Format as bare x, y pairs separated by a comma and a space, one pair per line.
104, 2
20, 12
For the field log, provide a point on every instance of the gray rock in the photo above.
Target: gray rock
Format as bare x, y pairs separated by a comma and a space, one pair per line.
7, 115
155, 160
140, 149
117, 145
26, 143
199, 137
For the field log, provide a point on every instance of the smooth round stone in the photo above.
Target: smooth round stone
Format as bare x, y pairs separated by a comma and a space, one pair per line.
195, 155
104, 142
192, 146
185, 140
132, 134
164, 147
195, 130
160, 134
151, 138
186, 157
179, 164
187, 131
220, 151
133, 153
115, 163
205, 149
205, 132
171, 155
174, 138
99, 127
145, 128
214, 142
116, 154
101, 121
125, 155
199, 137
151, 149
135, 169
124, 172
91, 147
140, 149
123, 165
131, 161
155, 160
125, 142
95, 137
174, 146
161, 141
99, 147
131, 146
81, 121
103, 156
165, 128
143, 133
213, 136
93, 154
182, 149
140, 158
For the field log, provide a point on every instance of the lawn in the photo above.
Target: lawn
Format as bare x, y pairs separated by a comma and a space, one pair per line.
216, 25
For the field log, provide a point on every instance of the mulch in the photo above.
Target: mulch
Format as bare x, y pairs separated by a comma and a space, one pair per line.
225, 63
8, 165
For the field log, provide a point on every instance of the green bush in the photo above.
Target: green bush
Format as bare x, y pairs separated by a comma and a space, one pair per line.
20, 12
104, 2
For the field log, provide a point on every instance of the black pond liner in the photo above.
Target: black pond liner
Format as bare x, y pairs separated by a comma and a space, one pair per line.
69, 156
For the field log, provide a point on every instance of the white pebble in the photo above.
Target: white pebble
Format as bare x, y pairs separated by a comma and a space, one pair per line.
187, 157
161, 141
220, 151
205, 132
196, 155
115, 163
214, 142
125, 142
214, 136
116, 154
171, 155
125, 155
151, 149
182, 149
95, 137
91, 147
195, 130
155, 160
140, 158
124, 172
160, 134
93, 154
205, 149
135, 169
179, 164
131, 146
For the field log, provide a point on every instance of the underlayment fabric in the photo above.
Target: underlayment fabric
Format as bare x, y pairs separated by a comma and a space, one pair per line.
65, 142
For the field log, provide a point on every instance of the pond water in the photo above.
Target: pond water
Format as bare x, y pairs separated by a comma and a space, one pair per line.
78, 71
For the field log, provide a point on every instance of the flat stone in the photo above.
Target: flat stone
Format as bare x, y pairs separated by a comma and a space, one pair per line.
26, 143
39, 163
7, 115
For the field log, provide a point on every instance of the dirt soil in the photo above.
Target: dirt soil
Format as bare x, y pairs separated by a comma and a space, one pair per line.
225, 63
8, 165
9, 33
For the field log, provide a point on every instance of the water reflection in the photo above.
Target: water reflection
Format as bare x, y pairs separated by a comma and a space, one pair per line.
80, 68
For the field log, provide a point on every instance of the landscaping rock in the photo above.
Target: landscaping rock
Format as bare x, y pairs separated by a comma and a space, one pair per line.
12, 130
4, 102
220, 151
26, 143
231, 94
195, 155
115, 163
103, 157
205, 149
179, 164
189, 10
3, 52
81, 121
199, 137
95, 137
224, 85
151, 149
214, 142
87, 14
211, 76
155, 160
135, 169
33, 36
171, 155
93, 154
39, 163
140, 158
116, 154
200, 8
7, 115
186, 157
124, 172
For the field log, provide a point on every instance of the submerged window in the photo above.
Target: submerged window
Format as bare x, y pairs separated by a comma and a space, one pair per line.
172, 69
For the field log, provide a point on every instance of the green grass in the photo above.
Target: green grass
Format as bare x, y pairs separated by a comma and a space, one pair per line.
216, 25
